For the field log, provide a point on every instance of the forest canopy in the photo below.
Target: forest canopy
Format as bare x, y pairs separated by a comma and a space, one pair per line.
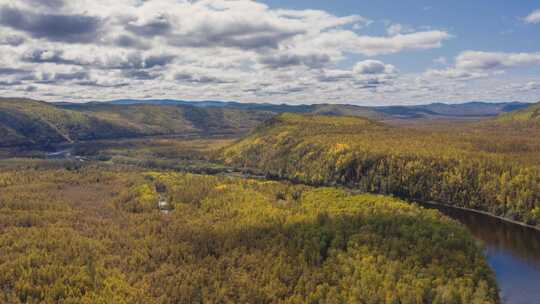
483, 166
96, 234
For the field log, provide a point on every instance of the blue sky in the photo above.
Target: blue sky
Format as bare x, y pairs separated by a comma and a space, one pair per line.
495, 25
359, 52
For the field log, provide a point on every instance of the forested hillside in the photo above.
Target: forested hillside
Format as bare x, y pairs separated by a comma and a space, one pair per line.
39, 124
158, 119
528, 117
29, 123
468, 110
95, 235
496, 170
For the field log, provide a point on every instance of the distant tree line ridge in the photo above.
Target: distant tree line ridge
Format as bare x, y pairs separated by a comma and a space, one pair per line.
35, 124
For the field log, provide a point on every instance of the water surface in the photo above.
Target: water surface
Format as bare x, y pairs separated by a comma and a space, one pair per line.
513, 251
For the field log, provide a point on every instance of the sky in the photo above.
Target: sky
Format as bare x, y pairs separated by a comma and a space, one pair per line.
279, 51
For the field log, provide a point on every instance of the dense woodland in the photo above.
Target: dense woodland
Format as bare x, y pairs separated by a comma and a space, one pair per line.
120, 224
94, 234
491, 166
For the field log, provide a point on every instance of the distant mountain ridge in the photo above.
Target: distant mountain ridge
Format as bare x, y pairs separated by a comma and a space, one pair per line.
30, 123
464, 110
475, 109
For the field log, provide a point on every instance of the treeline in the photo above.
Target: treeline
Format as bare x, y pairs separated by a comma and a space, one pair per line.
95, 235
471, 167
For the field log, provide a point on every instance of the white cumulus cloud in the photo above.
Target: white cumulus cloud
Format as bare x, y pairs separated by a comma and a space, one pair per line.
533, 17
476, 60
223, 49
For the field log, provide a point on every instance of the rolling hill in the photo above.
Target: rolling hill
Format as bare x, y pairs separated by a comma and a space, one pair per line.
322, 109
452, 111
469, 110
33, 123
416, 163
529, 116
40, 124
174, 119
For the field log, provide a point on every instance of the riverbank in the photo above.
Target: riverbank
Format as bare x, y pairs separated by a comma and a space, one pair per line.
512, 250
356, 191
482, 212
253, 175
66, 154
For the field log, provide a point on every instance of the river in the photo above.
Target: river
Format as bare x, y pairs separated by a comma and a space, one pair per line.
512, 251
